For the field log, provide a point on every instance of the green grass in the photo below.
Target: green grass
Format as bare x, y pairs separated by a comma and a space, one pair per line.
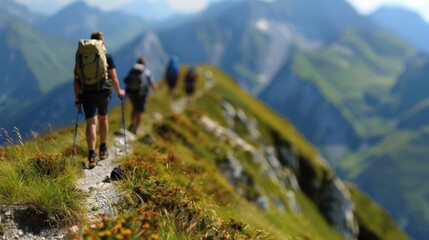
49, 58
357, 64
400, 159
377, 223
174, 188
39, 175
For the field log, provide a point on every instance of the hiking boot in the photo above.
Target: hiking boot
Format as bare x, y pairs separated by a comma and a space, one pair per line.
91, 161
132, 129
104, 153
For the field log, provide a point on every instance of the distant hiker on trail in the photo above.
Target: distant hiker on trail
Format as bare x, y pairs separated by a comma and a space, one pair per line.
172, 74
138, 81
190, 80
94, 76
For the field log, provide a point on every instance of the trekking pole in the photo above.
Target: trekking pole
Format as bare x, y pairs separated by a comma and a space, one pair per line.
123, 126
79, 111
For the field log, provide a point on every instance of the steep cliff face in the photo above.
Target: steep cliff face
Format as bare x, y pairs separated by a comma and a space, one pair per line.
291, 172
271, 165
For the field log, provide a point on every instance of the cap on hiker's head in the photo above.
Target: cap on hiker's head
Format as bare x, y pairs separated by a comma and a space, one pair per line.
98, 36
141, 60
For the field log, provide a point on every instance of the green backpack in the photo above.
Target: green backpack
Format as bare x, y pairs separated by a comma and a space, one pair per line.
91, 61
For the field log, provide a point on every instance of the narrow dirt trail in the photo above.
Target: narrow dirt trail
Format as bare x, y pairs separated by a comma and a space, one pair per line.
103, 193
179, 105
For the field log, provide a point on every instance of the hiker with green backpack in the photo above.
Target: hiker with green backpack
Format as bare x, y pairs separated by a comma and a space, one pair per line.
138, 81
94, 77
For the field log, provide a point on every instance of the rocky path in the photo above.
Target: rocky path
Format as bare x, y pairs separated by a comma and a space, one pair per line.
102, 196
180, 104
103, 193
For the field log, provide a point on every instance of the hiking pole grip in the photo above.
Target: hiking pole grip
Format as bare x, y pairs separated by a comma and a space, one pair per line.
123, 126
79, 111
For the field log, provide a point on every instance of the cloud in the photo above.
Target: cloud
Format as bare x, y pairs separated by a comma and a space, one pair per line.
178, 5
188, 5
363, 6
107, 5
367, 6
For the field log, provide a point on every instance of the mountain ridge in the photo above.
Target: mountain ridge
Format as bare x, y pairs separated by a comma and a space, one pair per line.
243, 162
316, 56
405, 23
78, 20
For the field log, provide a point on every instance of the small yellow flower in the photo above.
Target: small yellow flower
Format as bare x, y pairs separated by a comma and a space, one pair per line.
104, 233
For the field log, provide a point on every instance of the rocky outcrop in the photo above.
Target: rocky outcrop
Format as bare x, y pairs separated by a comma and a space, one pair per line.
26, 223
281, 165
337, 207
327, 191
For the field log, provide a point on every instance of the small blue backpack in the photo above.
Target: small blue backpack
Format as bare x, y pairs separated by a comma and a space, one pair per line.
173, 67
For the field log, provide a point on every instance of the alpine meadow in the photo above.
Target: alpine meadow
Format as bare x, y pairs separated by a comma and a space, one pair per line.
309, 120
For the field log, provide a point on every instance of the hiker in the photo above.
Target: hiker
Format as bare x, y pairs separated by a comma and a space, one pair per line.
190, 80
94, 76
138, 81
172, 74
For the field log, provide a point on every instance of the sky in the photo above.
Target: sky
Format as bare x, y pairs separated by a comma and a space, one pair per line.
363, 6
367, 6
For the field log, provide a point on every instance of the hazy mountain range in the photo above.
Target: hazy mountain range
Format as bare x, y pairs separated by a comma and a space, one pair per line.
406, 24
353, 85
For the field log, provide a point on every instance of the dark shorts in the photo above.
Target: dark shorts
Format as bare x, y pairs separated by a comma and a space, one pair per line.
189, 89
138, 101
96, 103
172, 81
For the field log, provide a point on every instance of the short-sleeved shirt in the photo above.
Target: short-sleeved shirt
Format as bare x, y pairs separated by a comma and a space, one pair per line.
110, 62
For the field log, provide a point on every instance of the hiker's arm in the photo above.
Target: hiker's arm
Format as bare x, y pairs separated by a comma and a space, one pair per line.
153, 84
115, 83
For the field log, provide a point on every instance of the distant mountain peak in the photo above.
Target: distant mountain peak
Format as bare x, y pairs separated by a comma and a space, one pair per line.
405, 23
397, 11
78, 6
11, 8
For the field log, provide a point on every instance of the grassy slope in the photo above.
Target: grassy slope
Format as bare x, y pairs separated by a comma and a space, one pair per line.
400, 159
374, 223
356, 64
393, 170
46, 56
216, 189
185, 156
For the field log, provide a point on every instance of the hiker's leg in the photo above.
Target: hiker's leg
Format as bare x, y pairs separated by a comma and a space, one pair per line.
133, 120
104, 128
134, 101
131, 127
103, 101
90, 109
136, 120
139, 103
91, 132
